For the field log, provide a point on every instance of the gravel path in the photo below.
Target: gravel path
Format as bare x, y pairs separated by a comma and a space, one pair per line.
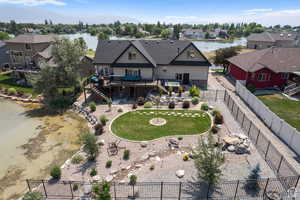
288, 154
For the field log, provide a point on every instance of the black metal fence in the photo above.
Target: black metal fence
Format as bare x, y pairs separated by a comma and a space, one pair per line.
272, 156
287, 177
166, 190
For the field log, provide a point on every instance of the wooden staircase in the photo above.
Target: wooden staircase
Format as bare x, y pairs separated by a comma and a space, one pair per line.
292, 89
100, 94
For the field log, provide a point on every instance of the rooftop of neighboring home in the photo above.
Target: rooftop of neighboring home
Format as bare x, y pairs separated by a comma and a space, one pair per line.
192, 31
156, 52
272, 37
275, 59
31, 39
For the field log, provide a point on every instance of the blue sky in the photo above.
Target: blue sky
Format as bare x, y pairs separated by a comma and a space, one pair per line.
176, 11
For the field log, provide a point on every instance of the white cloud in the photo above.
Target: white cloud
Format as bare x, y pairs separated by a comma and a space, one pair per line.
295, 12
34, 2
257, 11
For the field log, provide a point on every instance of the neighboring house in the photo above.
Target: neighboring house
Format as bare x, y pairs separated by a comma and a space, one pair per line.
24, 47
4, 56
134, 65
266, 40
193, 33
268, 68
28, 53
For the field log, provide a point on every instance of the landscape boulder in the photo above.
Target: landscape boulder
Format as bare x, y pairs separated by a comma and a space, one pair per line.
180, 173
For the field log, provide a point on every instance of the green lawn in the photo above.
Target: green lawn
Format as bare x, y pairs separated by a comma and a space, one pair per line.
135, 125
7, 81
285, 108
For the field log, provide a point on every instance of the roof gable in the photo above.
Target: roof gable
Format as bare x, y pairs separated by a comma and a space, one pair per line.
156, 52
124, 56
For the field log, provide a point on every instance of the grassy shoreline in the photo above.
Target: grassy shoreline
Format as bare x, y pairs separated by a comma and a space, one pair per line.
56, 141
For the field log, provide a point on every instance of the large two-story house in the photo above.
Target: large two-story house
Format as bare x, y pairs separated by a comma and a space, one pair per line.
135, 67
27, 52
24, 47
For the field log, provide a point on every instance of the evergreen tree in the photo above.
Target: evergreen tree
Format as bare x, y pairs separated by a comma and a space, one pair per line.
208, 160
252, 185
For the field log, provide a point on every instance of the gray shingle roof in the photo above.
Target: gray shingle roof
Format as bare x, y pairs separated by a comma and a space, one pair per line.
158, 52
275, 59
32, 38
271, 37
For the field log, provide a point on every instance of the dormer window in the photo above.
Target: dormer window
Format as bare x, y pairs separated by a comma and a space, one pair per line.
131, 55
27, 46
191, 54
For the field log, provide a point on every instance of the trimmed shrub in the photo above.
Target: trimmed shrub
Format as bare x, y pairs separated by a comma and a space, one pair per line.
92, 106
104, 193
186, 104
170, 90
195, 100
152, 167
148, 105
11, 91
180, 91
77, 159
33, 196
75, 187
120, 110
185, 157
93, 172
108, 164
132, 179
141, 101
172, 105
55, 172
126, 154
204, 106
219, 119
215, 129
99, 129
194, 91
215, 112
134, 106
103, 120
251, 88
180, 138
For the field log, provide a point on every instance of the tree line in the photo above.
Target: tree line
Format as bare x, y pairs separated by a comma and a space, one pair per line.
159, 30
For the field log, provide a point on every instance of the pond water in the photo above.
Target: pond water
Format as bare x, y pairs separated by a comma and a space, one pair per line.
204, 46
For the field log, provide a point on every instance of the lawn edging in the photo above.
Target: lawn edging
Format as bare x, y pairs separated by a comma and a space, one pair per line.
163, 137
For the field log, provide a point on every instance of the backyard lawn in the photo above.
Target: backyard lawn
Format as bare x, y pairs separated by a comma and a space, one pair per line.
7, 81
135, 125
285, 108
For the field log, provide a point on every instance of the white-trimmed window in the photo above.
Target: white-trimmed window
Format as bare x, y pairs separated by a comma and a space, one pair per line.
263, 77
131, 55
28, 46
178, 77
284, 75
191, 54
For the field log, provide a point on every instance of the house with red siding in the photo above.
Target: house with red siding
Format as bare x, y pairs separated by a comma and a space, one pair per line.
268, 68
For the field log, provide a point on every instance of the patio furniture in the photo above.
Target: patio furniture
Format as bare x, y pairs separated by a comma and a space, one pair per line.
113, 149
